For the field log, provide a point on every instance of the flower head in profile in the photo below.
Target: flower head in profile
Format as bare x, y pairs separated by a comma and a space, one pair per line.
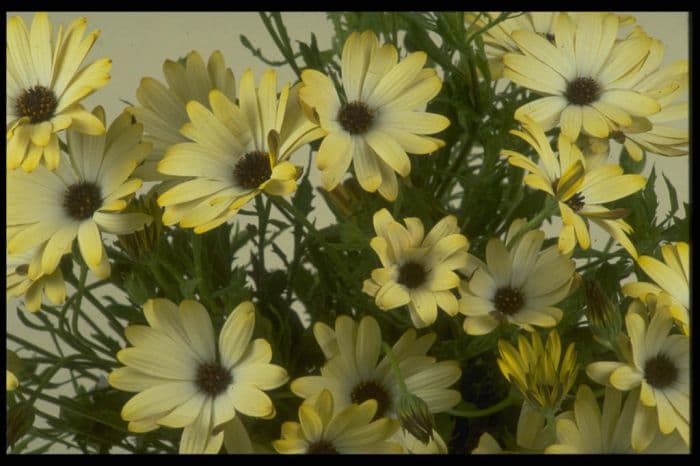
587, 78
83, 198
671, 281
519, 285
418, 269
325, 429
354, 373
538, 371
235, 153
184, 378
45, 84
162, 107
378, 117
19, 284
588, 429
580, 190
659, 365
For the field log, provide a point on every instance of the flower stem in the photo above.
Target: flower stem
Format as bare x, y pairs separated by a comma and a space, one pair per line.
500, 406
395, 367
549, 207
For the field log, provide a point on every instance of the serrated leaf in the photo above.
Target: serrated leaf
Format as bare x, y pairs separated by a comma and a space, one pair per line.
672, 195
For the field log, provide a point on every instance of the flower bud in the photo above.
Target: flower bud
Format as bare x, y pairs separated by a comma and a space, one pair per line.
415, 417
603, 315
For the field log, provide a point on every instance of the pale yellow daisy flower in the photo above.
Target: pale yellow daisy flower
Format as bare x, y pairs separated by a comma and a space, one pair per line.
354, 373
660, 365
498, 38
81, 199
588, 429
378, 118
325, 429
672, 281
185, 379
418, 269
45, 85
162, 109
580, 191
538, 371
520, 285
659, 133
18, 283
237, 152
587, 78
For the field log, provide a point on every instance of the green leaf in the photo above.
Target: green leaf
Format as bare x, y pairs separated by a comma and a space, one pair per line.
20, 418
672, 195
629, 165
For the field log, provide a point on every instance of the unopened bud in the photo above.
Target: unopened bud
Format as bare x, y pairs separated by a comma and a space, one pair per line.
603, 315
415, 417
143, 241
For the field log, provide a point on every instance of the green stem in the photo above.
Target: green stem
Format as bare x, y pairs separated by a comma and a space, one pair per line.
549, 208
498, 407
395, 367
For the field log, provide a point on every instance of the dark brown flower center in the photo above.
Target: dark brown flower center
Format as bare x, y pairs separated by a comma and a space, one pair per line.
322, 447
252, 170
22, 269
371, 390
576, 202
82, 199
355, 117
213, 379
660, 372
618, 136
508, 300
412, 274
550, 37
38, 103
582, 91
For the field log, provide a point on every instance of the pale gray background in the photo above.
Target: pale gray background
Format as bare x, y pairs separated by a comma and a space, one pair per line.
138, 43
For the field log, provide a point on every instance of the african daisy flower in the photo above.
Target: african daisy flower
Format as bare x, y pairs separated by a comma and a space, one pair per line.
19, 284
237, 152
325, 429
162, 109
184, 379
588, 429
672, 279
498, 38
586, 77
45, 85
658, 133
81, 199
378, 117
354, 373
519, 285
660, 365
579, 190
538, 371
418, 269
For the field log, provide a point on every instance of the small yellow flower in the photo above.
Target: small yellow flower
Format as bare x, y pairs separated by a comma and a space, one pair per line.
11, 381
672, 279
325, 429
587, 78
82, 199
580, 190
162, 109
236, 152
660, 365
418, 269
19, 284
186, 378
520, 285
539, 372
45, 87
381, 118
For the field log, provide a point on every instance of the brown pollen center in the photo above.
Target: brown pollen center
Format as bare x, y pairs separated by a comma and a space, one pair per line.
355, 117
38, 103
252, 170
582, 91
